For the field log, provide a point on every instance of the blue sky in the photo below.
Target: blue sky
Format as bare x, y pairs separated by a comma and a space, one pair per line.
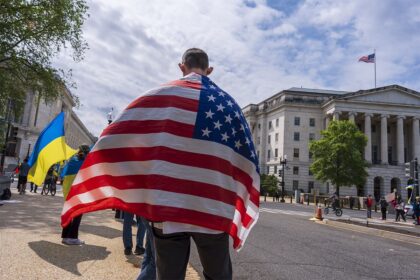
257, 48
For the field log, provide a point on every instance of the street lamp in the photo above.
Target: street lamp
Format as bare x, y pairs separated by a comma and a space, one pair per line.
283, 162
109, 116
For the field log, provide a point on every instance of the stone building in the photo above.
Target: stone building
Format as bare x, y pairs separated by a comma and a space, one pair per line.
36, 115
285, 123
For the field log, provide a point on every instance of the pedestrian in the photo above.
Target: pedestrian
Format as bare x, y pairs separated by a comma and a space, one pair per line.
277, 196
128, 236
148, 266
48, 180
70, 233
34, 187
369, 203
416, 210
399, 209
384, 204
23, 176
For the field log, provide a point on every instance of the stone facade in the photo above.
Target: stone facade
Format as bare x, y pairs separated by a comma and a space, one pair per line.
285, 123
36, 115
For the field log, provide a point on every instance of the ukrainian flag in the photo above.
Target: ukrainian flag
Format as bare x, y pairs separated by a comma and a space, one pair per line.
49, 149
69, 173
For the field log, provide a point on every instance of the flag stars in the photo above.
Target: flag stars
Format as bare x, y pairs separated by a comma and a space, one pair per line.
220, 107
229, 103
217, 125
234, 131
209, 114
206, 132
225, 137
252, 154
228, 119
247, 141
237, 115
242, 127
212, 86
221, 93
211, 98
238, 144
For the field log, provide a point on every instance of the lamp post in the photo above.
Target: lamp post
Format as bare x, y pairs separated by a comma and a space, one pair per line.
109, 116
283, 162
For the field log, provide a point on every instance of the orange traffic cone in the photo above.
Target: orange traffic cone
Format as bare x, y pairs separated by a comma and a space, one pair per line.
318, 214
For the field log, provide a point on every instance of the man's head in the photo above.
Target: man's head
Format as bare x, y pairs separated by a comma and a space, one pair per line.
25, 160
195, 60
83, 150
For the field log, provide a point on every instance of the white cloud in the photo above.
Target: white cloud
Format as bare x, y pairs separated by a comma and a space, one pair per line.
256, 50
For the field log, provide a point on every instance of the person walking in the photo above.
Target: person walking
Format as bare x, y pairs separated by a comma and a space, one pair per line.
416, 210
369, 203
384, 204
128, 235
23, 176
399, 209
70, 233
34, 187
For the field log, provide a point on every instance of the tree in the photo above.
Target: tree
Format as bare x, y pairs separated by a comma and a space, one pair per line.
32, 32
338, 155
268, 184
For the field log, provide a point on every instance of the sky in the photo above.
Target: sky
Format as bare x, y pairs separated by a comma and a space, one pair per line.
257, 48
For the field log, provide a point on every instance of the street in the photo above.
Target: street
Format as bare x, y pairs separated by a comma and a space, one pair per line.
283, 246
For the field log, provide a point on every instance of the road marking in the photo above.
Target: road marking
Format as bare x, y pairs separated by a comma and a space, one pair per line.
286, 212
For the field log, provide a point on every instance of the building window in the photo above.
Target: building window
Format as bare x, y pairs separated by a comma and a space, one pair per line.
310, 186
310, 172
296, 153
276, 153
297, 121
258, 140
277, 137
388, 129
259, 126
296, 136
311, 136
277, 122
258, 154
269, 139
310, 154
268, 169
269, 125
373, 128
312, 122
295, 170
275, 169
268, 154
295, 184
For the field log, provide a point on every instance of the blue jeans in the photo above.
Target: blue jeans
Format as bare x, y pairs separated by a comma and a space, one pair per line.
148, 266
127, 232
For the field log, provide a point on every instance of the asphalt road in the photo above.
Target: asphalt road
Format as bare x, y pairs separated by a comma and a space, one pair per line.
286, 246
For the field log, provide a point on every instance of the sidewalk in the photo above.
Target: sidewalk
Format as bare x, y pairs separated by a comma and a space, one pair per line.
30, 243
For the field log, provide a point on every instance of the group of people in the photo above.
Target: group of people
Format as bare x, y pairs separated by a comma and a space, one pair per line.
398, 204
23, 171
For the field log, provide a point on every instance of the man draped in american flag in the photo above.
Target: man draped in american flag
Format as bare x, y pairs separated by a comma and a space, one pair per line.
181, 156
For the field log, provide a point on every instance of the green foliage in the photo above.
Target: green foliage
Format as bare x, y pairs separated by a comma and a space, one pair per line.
32, 32
268, 184
338, 155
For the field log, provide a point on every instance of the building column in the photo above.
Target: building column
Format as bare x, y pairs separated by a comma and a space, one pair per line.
352, 117
368, 133
416, 138
400, 139
384, 139
336, 115
327, 121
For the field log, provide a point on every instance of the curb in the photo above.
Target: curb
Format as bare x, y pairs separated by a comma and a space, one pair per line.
372, 231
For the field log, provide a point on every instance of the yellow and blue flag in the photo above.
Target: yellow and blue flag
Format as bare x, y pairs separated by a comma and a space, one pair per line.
69, 172
49, 149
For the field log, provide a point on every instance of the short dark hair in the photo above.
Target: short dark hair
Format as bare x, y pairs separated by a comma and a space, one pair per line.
195, 58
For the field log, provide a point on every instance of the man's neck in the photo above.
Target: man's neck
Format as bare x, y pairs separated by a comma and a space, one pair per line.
195, 70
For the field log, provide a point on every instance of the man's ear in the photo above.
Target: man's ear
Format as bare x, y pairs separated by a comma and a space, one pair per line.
182, 67
209, 70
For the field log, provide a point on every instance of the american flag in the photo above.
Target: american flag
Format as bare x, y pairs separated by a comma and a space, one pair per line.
180, 153
368, 59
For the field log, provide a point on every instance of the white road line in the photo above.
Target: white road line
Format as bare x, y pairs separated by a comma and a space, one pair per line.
286, 212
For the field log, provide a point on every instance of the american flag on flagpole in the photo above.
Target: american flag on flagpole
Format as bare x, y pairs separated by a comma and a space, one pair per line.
368, 58
180, 153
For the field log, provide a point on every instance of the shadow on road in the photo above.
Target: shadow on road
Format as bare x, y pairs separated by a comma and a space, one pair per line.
102, 231
67, 257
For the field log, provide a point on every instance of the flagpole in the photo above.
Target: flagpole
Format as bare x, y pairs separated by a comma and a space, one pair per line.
374, 55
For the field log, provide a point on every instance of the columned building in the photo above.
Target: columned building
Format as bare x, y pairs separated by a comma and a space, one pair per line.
35, 117
389, 117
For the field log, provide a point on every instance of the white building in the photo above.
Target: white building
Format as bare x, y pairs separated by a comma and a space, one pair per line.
389, 116
36, 115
